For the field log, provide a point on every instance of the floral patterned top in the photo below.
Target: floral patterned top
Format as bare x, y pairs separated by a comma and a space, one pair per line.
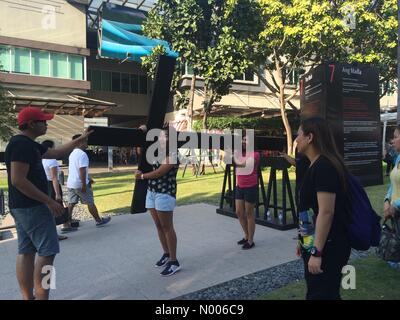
165, 184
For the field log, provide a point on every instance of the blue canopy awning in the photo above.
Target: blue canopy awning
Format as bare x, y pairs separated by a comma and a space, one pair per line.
121, 35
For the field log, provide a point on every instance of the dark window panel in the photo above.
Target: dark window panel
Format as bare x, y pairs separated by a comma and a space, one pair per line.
106, 81
134, 83
96, 80
125, 82
116, 82
142, 84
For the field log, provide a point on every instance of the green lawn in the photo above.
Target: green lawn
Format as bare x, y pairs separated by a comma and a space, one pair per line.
3, 183
113, 191
375, 280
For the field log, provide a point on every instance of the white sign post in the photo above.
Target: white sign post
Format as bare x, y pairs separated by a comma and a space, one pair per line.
101, 122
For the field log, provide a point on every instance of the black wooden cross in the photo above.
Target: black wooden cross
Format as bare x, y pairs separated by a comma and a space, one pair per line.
127, 137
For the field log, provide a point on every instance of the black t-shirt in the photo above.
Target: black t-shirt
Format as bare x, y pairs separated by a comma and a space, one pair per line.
322, 177
302, 164
23, 149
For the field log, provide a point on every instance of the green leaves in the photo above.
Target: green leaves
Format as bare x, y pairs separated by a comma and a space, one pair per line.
221, 39
8, 118
214, 37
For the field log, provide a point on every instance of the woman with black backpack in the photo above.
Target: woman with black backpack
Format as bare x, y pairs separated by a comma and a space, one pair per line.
323, 240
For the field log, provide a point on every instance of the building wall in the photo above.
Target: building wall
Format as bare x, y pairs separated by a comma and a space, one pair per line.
57, 22
244, 95
129, 104
389, 101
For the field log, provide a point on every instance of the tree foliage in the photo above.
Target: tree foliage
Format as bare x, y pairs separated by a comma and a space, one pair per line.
220, 39
302, 33
8, 121
212, 36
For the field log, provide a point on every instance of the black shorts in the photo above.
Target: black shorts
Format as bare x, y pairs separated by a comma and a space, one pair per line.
249, 195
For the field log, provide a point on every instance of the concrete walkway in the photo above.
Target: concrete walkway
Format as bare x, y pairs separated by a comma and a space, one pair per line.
117, 261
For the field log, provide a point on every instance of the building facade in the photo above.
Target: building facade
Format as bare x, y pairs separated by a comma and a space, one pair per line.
49, 57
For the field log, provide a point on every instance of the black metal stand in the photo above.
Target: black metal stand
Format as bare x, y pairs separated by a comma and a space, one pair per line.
279, 219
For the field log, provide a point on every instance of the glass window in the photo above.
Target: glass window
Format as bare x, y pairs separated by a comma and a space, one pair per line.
294, 77
96, 80
124, 82
142, 84
239, 77
134, 83
381, 89
76, 64
59, 65
249, 76
40, 63
105, 81
4, 59
116, 82
390, 88
20, 59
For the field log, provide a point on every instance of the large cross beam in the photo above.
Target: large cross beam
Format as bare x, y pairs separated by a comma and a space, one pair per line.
127, 137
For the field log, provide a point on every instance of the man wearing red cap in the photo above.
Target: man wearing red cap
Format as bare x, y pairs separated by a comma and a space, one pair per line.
31, 207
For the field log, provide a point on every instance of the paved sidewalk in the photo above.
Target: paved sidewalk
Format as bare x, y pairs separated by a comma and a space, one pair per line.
117, 261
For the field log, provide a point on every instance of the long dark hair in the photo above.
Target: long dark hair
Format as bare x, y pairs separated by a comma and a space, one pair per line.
324, 143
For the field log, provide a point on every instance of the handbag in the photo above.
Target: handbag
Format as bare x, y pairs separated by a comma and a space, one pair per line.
389, 245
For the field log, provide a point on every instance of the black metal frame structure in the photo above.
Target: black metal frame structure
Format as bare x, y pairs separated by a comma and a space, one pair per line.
273, 221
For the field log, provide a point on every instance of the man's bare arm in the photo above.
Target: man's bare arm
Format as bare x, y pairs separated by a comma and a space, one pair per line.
66, 148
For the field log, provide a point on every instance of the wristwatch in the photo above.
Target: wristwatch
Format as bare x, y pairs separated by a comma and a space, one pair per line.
315, 252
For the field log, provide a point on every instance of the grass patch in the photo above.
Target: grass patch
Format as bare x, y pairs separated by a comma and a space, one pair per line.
113, 191
375, 280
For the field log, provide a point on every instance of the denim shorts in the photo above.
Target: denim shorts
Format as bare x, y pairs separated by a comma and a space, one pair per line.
74, 195
36, 230
249, 195
160, 201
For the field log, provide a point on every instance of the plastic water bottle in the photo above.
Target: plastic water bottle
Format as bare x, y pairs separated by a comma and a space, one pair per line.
280, 217
394, 265
268, 215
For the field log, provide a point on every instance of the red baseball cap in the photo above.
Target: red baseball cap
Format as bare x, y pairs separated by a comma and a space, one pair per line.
33, 113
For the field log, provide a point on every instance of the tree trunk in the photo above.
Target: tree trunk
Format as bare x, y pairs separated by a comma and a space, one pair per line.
282, 105
191, 102
288, 129
206, 107
205, 117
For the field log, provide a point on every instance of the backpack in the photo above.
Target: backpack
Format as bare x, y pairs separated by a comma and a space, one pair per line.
364, 229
